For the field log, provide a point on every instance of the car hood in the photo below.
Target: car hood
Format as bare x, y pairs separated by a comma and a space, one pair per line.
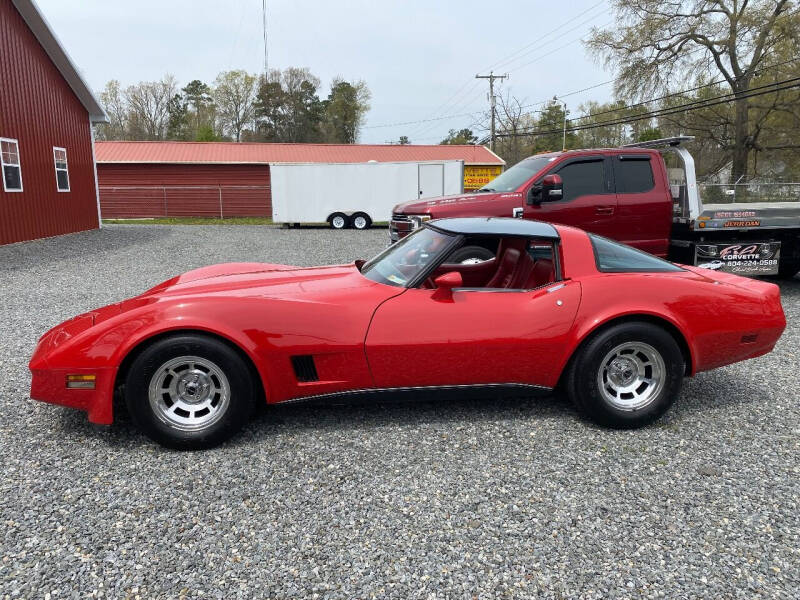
421, 207
261, 279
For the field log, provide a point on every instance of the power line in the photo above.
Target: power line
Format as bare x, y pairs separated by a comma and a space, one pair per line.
538, 43
687, 107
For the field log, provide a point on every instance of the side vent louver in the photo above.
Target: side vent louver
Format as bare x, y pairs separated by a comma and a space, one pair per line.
304, 368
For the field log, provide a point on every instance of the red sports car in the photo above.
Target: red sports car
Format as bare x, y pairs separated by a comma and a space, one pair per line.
616, 328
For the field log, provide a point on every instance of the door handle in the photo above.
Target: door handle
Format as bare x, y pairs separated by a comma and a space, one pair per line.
604, 210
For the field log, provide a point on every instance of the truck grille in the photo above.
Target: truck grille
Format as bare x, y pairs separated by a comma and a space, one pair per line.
399, 217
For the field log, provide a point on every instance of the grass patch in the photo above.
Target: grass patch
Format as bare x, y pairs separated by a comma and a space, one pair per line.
191, 221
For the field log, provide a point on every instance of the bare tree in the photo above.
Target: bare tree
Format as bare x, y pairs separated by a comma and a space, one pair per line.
116, 108
659, 43
148, 108
235, 95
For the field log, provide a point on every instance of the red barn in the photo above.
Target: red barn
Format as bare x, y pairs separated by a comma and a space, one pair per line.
49, 183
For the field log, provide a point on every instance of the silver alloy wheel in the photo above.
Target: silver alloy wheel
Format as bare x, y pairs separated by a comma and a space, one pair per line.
631, 376
360, 222
473, 261
189, 393
338, 222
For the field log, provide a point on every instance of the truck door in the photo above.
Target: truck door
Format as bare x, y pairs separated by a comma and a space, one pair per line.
431, 180
588, 201
644, 205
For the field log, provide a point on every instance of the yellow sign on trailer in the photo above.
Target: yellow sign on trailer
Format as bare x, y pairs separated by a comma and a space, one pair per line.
476, 176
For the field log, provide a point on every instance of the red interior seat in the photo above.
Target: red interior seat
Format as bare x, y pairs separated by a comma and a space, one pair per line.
505, 270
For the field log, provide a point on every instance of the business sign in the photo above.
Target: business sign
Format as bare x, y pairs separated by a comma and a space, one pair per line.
742, 258
476, 176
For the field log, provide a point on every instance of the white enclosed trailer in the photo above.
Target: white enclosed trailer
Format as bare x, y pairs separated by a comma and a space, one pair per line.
356, 194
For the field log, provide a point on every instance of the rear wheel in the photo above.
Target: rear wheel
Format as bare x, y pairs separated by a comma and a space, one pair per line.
189, 392
361, 220
627, 375
339, 221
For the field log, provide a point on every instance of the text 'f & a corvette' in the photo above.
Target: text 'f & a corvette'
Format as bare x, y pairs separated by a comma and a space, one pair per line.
548, 306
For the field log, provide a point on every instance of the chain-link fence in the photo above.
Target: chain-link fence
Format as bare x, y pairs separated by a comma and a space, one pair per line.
222, 201
724, 193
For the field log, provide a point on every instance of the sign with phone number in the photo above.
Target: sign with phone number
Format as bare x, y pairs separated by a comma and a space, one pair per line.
741, 258
476, 176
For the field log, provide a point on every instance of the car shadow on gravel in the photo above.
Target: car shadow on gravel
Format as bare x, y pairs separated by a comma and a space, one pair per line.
717, 390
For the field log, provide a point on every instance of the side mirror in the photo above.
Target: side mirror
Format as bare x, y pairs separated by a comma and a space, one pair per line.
445, 284
552, 188
549, 189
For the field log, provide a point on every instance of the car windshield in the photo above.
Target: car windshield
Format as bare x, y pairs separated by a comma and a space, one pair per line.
404, 261
518, 174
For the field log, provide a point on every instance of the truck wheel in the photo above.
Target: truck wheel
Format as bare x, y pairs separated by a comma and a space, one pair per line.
361, 220
339, 221
787, 269
626, 376
470, 255
189, 391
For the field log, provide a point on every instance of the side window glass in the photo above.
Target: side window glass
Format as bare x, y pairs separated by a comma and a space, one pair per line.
612, 257
634, 176
583, 178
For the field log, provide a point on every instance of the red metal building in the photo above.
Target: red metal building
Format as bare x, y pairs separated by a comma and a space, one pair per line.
49, 184
213, 179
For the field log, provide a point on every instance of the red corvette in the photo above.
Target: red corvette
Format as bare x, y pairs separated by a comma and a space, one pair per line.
618, 329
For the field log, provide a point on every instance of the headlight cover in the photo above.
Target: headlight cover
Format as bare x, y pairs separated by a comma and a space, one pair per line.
418, 220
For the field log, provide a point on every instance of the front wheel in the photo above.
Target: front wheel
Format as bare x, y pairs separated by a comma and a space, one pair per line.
626, 376
189, 392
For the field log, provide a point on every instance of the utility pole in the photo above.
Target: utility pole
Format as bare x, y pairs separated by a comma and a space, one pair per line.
564, 140
266, 51
492, 100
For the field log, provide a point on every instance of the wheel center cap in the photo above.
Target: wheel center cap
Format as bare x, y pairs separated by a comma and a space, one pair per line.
622, 371
193, 387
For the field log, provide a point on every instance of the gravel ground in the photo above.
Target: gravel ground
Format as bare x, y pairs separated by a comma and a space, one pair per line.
466, 499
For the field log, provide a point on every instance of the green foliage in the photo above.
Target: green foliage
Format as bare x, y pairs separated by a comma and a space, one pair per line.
345, 108
461, 137
404, 140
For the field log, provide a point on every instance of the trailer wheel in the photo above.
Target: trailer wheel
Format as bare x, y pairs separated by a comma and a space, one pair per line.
361, 220
339, 221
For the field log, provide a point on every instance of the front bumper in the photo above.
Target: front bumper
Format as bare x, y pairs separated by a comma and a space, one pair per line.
49, 385
401, 225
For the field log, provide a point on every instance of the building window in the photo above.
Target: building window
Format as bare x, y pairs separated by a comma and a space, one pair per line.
9, 159
62, 174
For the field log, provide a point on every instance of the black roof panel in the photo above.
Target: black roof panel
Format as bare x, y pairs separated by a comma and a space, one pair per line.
496, 226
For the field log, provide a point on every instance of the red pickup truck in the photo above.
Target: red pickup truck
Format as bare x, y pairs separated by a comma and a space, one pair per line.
625, 194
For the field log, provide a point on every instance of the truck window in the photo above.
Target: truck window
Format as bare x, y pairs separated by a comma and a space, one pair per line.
583, 178
633, 176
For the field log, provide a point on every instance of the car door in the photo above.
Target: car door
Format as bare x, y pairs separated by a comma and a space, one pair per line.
644, 207
588, 200
480, 336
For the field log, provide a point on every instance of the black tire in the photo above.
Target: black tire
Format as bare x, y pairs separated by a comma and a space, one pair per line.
231, 414
360, 221
583, 386
469, 254
339, 221
788, 269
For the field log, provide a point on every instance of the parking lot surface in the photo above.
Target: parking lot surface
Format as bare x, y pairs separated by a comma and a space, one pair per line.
459, 499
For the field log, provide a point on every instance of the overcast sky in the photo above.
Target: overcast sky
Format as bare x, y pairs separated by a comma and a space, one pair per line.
419, 58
